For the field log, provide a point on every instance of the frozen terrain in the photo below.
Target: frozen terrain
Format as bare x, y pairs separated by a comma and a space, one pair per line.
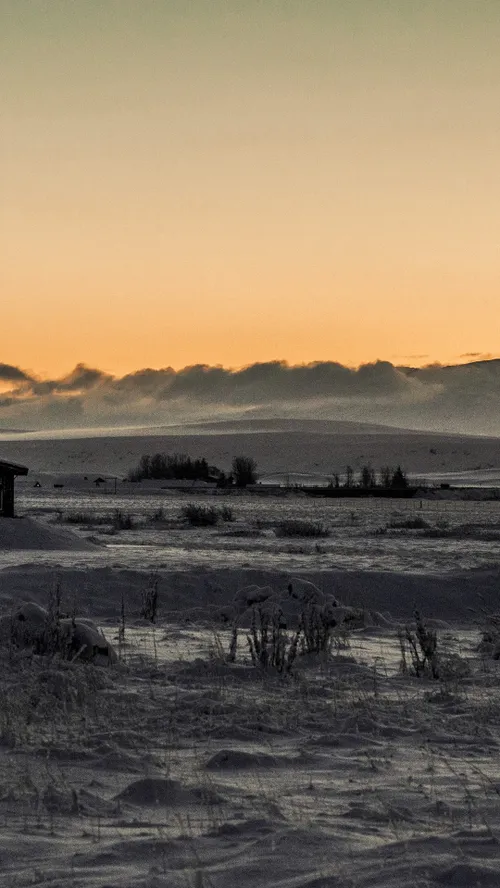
180, 765
277, 446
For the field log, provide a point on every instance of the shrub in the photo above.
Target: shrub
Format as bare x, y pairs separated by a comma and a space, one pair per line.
158, 516
272, 643
200, 516
51, 634
269, 643
316, 623
295, 527
206, 516
83, 518
416, 523
420, 643
120, 521
150, 602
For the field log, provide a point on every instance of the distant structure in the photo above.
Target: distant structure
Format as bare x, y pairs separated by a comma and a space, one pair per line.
8, 471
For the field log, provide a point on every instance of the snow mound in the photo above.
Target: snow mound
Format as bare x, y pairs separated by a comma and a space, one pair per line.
235, 758
27, 533
299, 595
30, 626
151, 791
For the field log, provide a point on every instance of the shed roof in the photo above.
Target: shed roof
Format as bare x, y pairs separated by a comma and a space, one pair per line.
12, 468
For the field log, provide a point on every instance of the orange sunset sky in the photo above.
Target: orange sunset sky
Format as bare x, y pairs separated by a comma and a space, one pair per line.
230, 182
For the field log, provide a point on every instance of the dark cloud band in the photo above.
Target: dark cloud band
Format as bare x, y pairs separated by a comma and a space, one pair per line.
13, 374
462, 397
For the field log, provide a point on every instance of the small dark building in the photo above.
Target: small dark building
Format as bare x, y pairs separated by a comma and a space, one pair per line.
8, 471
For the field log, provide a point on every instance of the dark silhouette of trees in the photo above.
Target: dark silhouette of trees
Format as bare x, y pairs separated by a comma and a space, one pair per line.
178, 467
367, 478
161, 466
399, 479
244, 471
223, 479
385, 476
349, 476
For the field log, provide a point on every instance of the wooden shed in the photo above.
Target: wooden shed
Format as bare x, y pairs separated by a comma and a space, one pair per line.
8, 471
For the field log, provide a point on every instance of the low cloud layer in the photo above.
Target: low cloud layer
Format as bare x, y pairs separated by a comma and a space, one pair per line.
458, 398
12, 374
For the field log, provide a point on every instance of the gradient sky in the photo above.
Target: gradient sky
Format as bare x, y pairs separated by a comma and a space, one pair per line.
190, 181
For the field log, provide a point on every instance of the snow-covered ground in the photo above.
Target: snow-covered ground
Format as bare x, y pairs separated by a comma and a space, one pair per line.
177, 767
322, 447
425, 536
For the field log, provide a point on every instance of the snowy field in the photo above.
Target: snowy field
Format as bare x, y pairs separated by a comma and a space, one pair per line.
429, 535
183, 764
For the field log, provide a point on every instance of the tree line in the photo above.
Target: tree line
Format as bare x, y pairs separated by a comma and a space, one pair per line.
179, 467
367, 479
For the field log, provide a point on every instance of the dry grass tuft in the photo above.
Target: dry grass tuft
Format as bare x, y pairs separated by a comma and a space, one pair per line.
294, 527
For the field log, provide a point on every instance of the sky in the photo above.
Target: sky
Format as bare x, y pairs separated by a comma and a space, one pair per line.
226, 183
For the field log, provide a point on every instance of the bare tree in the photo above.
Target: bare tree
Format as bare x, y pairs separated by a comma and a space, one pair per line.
399, 479
367, 477
385, 476
244, 470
